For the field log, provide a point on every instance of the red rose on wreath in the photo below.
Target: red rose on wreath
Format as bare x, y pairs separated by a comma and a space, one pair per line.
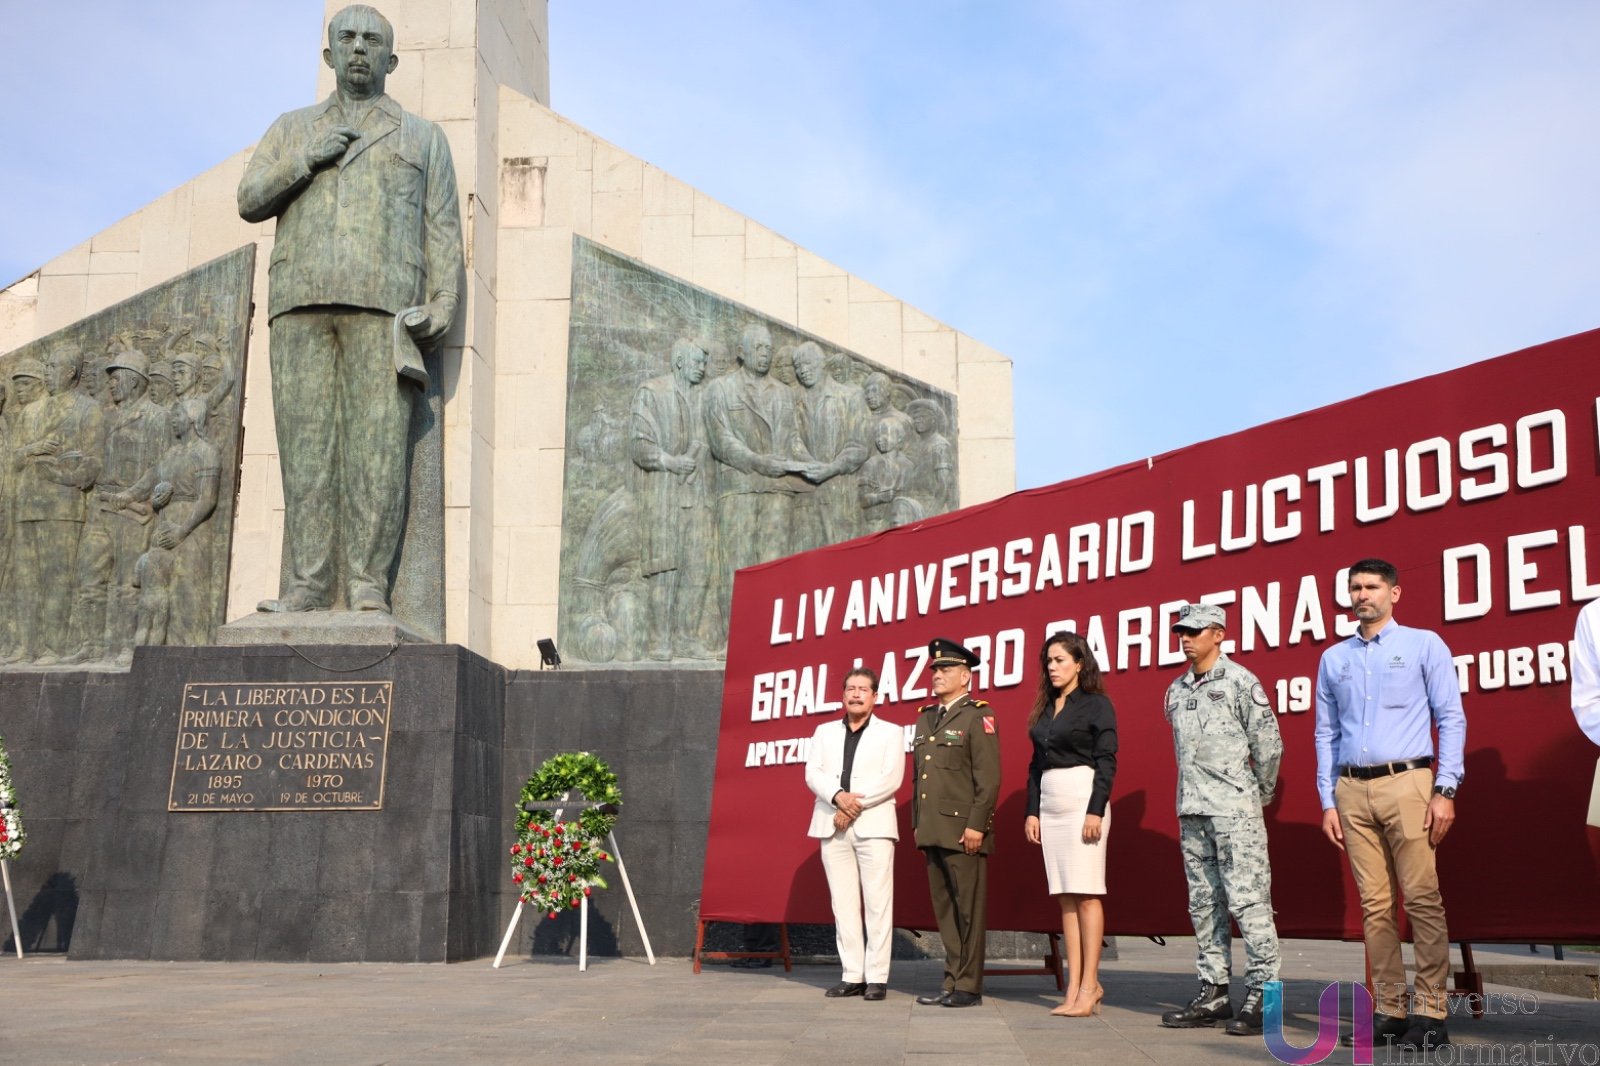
517, 877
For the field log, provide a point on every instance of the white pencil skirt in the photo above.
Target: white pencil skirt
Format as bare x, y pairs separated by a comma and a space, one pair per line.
1070, 865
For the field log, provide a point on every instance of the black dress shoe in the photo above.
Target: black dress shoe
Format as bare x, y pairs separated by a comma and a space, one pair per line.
845, 988
876, 992
936, 1000
751, 964
962, 999
1424, 1034
1386, 1029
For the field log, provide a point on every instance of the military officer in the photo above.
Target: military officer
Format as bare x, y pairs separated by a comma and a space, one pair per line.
1228, 748
956, 763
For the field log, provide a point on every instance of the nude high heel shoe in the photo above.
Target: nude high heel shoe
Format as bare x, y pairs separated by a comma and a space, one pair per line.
1086, 1004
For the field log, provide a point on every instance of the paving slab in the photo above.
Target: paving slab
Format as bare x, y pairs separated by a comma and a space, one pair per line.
625, 1011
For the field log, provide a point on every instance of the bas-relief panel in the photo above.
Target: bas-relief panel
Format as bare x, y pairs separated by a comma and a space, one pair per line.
119, 460
703, 437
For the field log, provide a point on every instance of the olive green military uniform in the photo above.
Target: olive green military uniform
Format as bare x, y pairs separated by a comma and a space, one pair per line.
956, 771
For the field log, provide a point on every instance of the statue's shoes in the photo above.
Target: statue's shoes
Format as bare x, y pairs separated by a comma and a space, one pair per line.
290, 602
369, 600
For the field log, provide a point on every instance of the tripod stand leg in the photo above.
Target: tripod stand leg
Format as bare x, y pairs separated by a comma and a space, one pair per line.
516, 916
632, 902
11, 905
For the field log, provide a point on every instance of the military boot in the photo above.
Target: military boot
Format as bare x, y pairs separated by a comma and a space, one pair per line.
1210, 1006
1248, 1021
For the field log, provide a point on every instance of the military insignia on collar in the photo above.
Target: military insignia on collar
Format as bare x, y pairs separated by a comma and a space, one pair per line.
1221, 671
988, 721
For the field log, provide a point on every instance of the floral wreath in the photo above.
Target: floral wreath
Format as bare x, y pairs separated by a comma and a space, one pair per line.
11, 834
556, 864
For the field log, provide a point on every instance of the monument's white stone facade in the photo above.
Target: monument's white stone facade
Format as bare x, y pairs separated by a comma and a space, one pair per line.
530, 181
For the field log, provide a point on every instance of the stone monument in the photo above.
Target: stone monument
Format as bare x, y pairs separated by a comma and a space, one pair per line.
631, 389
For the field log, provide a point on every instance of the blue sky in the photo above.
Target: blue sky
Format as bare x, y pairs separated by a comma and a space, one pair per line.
1178, 219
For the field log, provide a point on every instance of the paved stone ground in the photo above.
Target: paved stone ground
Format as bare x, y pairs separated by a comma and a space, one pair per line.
625, 1011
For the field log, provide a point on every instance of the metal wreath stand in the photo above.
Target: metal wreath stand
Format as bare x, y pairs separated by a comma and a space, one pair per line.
560, 806
11, 903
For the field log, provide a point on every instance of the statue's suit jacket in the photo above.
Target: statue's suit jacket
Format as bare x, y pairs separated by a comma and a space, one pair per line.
746, 416
379, 229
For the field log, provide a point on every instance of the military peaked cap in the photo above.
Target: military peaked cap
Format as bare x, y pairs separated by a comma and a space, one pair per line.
942, 652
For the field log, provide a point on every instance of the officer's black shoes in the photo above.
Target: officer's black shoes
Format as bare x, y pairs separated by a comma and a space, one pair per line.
1207, 1008
845, 988
1386, 1029
875, 992
1248, 1021
959, 998
935, 1000
1424, 1034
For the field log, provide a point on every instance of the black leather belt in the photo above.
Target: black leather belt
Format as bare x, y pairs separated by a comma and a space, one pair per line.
1367, 773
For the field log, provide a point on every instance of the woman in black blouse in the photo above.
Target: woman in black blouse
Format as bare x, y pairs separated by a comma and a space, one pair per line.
1074, 732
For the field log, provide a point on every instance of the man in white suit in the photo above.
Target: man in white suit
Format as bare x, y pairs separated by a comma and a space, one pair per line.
854, 769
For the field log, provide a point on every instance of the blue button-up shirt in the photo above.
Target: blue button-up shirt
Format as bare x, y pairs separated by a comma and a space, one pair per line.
1378, 700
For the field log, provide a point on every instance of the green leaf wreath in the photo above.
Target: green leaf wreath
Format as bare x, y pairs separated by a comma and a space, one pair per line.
556, 864
11, 834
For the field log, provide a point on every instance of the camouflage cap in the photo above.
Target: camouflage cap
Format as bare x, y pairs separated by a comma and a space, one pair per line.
942, 652
1197, 616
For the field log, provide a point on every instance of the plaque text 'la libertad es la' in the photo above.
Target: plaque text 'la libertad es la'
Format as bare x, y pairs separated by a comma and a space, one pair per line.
277, 747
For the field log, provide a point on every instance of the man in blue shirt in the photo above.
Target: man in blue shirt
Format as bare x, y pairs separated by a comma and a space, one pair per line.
1380, 695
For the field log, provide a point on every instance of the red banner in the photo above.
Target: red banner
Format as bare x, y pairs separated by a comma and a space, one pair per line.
1480, 484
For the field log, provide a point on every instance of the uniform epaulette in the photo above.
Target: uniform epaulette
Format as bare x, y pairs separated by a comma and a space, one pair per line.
980, 703
928, 707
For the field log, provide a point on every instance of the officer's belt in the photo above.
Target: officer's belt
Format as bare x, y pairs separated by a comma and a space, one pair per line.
1367, 773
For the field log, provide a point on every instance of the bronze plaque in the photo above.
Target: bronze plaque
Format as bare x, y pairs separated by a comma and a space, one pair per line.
283, 746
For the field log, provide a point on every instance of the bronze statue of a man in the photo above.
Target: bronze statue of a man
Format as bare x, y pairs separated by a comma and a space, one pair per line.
367, 259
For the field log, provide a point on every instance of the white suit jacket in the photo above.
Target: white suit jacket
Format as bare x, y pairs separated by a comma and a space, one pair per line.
876, 773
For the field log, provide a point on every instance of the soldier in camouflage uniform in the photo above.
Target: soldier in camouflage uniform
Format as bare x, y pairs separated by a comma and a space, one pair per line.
1228, 748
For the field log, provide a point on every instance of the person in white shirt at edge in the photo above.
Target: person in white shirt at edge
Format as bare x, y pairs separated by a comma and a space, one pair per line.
1586, 671
855, 768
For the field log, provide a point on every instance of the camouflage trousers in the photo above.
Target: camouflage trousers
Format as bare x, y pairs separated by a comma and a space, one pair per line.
1229, 872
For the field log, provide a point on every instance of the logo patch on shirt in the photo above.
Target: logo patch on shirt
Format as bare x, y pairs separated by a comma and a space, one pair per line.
1397, 662
988, 723
1259, 696
1190, 704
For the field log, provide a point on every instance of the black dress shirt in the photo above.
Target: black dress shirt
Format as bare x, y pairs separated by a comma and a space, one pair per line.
852, 741
1082, 733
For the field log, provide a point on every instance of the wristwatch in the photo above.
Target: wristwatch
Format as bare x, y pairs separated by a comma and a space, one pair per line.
1447, 791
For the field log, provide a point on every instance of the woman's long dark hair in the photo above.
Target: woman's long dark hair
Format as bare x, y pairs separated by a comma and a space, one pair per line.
1089, 679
